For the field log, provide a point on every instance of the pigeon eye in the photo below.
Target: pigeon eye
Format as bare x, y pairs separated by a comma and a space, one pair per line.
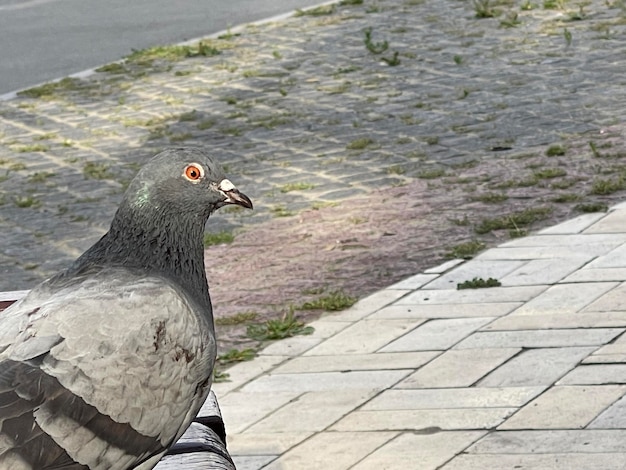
193, 172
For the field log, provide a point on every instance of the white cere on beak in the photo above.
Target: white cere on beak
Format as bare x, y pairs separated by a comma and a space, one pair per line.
225, 186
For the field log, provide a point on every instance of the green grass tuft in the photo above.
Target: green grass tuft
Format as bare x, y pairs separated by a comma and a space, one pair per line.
96, 171
592, 207
281, 211
490, 198
319, 11
465, 250
40, 176
478, 283
332, 301
236, 355
237, 319
218, 238
603, 187
299, 186
555, 151
171, 53
514, 220
361, 143
431, 174
567, 197
27, 202
49, 89
549, 173
284, 327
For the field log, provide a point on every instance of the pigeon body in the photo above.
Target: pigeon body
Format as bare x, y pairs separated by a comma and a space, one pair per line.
104, 365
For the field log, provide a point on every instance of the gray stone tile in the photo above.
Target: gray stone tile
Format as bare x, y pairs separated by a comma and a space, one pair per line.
565, 298
614, 417
572, 226
616, 347
252, 462
299, 344
436, 335
539, 338
595, 461
458, 368
274, 443
614, 300
565, 407
342, 363
449, 398
375, 379
443, 267
446, 310
420, 420
605, 359
542, 271
313, 411
614, 259
472, 296
325, 329
240, 410
368, 305
613, 222
414, 282
366, 336
430, 450
596, 374
618, 207
475, 268
607, 242
597, 275
336, 450
536, 367
244, 372
551, 441
291, 346
541, 252
558, 320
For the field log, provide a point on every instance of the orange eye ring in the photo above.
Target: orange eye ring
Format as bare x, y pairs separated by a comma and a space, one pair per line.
193, 172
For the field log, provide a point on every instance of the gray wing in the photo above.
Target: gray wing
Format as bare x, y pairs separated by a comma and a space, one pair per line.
105, 374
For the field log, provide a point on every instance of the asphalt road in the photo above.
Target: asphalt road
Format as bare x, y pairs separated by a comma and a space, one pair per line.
41, 40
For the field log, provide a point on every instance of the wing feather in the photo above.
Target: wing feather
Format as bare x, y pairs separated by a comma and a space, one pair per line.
107, 372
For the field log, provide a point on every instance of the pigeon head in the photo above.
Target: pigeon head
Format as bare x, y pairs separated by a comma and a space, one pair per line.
159, 225
182, 182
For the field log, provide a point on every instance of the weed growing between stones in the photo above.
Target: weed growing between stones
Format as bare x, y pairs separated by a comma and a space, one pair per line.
466, 250
218, 238
478, 283
280, 328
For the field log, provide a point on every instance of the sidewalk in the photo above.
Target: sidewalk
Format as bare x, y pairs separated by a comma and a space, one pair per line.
529, 375
364, 170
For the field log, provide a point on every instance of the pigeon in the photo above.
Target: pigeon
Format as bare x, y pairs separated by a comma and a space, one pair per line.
105, 365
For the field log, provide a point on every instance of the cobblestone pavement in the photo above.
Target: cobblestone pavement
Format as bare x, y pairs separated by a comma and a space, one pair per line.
527, 375
374, 138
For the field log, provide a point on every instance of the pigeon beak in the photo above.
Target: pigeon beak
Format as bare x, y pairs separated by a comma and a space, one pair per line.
233, 196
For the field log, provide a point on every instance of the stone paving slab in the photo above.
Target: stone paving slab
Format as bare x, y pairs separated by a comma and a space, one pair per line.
595, 461
340, 450
538, 382
430, 450
456, 368
495, 309
436, 334
565, 407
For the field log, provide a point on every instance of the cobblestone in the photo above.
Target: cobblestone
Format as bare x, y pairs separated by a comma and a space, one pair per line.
411, 154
